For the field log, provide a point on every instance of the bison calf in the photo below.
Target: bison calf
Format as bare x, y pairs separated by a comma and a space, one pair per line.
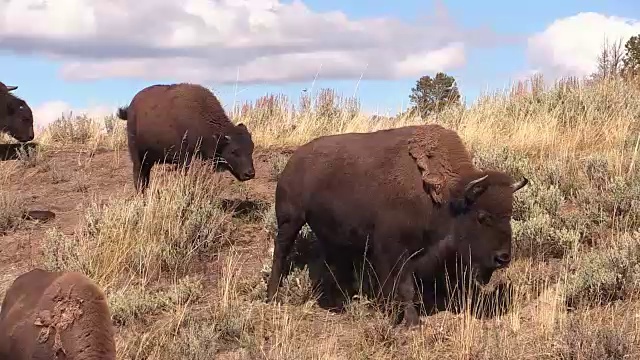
47, 314
16, 118
410, 198
172, 123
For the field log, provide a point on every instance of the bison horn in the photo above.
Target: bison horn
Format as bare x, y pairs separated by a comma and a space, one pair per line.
520, 184
473, 183
11, 88
472, 191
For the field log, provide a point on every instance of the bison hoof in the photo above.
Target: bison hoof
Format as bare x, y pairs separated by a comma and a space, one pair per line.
270, 298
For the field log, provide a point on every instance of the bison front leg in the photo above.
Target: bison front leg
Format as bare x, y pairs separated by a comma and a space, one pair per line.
406, 294
395, 273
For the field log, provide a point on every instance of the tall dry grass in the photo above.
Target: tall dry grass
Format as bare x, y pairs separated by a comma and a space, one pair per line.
570, 119
574, 284
148, 237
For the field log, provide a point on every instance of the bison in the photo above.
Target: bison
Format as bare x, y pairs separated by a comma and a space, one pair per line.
16, 118
172, 123
47, 314
407, 198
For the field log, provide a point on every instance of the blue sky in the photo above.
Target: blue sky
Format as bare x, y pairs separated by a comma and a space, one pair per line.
42, 79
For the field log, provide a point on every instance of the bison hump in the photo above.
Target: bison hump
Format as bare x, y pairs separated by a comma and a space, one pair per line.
431, 147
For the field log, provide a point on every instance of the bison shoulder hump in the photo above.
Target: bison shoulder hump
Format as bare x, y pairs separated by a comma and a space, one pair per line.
194, 97
440, 155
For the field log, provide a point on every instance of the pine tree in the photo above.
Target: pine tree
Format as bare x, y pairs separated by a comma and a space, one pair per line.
631, 61
432, 95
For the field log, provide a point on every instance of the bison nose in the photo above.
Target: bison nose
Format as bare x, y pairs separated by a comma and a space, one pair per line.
502, 259
27, 138
250, 174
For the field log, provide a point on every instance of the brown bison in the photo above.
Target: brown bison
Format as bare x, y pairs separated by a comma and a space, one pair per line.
409, 198
16, 118
172, 123
55, 315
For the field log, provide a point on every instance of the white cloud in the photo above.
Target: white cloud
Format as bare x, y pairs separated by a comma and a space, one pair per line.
213, 40
432, 61
571, 45
49, 111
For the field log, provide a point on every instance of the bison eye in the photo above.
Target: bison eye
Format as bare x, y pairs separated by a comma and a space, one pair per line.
484, 218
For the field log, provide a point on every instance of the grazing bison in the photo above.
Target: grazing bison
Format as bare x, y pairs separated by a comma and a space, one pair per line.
410, 197
55, 315
167, 123
16, 118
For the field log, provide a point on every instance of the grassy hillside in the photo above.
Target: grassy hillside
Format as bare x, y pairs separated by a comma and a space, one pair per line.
185, 266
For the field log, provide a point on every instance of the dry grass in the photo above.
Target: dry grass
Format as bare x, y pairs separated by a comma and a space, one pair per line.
183, 282
11, 210
92, 134
148, 236
11, 205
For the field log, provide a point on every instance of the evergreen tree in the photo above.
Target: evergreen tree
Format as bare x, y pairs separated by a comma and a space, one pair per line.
432, 95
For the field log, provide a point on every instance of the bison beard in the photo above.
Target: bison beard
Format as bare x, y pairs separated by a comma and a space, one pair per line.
410, 199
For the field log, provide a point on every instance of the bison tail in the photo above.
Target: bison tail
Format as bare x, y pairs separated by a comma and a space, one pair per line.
122, 112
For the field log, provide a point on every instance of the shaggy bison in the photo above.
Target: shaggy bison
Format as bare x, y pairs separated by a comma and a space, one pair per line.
16, 118
172, 123
47, 314
408, 198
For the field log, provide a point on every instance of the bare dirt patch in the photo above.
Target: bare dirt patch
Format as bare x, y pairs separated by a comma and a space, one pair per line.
95, 178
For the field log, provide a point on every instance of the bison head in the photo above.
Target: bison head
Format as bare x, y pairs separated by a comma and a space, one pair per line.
481, 226
16, 119
235, 152
476, 207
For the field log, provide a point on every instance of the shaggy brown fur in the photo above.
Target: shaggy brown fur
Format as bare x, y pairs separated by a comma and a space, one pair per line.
410, 197
166, 123
55, 315
16, 118
442, 159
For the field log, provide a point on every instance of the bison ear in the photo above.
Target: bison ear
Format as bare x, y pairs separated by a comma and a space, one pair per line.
241, 126
433, 182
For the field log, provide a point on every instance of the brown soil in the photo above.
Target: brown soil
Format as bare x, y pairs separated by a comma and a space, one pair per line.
67, 181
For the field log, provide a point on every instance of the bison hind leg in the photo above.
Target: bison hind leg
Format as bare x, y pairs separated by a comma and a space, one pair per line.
141, 172
339, 276
288, 230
